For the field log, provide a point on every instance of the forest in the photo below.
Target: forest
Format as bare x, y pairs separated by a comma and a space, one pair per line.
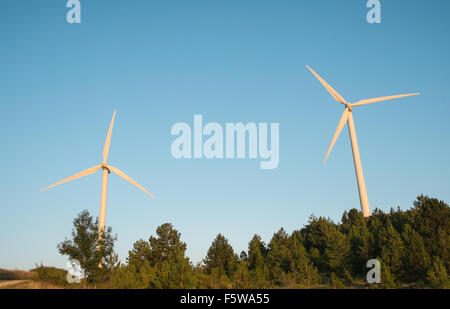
411, 245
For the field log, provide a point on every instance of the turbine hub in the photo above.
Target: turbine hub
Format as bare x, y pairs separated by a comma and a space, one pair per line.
104, 166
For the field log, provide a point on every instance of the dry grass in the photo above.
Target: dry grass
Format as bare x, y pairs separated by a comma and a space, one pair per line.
16, 284
44, 285
27, 284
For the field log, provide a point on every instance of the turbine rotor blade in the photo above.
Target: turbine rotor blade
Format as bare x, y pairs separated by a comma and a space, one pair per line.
340, 126
80, 174
333, 92
368, 101
127, 178
108, 138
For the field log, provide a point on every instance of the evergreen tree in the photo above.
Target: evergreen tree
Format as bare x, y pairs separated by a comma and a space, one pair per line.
242, 278
437, 275
279, 257
140, 254
133, 277
354, 226
443, 251
376, 227
164, 256
257, 252
431, 219
403, 242
337, 252
392, 250
336, 282
398, 218
351, 218
167, 246
316, 235
257, 267
167, 254
305, 273
359, 238
314, 256
221, 257
388, 280
417, 259
317, 232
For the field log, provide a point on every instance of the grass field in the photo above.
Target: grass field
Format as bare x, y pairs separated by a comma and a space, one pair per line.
26, 284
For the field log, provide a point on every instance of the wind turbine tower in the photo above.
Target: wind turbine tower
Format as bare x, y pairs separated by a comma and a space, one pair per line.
347, 117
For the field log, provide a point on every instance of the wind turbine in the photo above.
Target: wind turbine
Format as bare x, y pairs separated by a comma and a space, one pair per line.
106, 169
347, 116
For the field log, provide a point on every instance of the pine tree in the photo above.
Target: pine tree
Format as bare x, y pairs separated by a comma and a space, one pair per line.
437, 275
221, 257
336, 282
375, 225
443, 238
257, 252
131, 277
168, 256
392, 250
416, 259
167, 246
314, 256
337, 253
354, 226
431, 219
242, 278
279, 257
359, 238
305, 273
165, 255
140, 254
317, 232
403, 242
388, 280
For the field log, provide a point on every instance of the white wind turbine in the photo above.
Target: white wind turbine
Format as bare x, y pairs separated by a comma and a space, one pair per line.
106, 169
348, 117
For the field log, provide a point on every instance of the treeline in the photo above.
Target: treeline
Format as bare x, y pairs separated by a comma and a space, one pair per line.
15, 274
413, 247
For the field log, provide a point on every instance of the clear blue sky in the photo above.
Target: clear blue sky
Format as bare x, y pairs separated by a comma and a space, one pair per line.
161, 62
